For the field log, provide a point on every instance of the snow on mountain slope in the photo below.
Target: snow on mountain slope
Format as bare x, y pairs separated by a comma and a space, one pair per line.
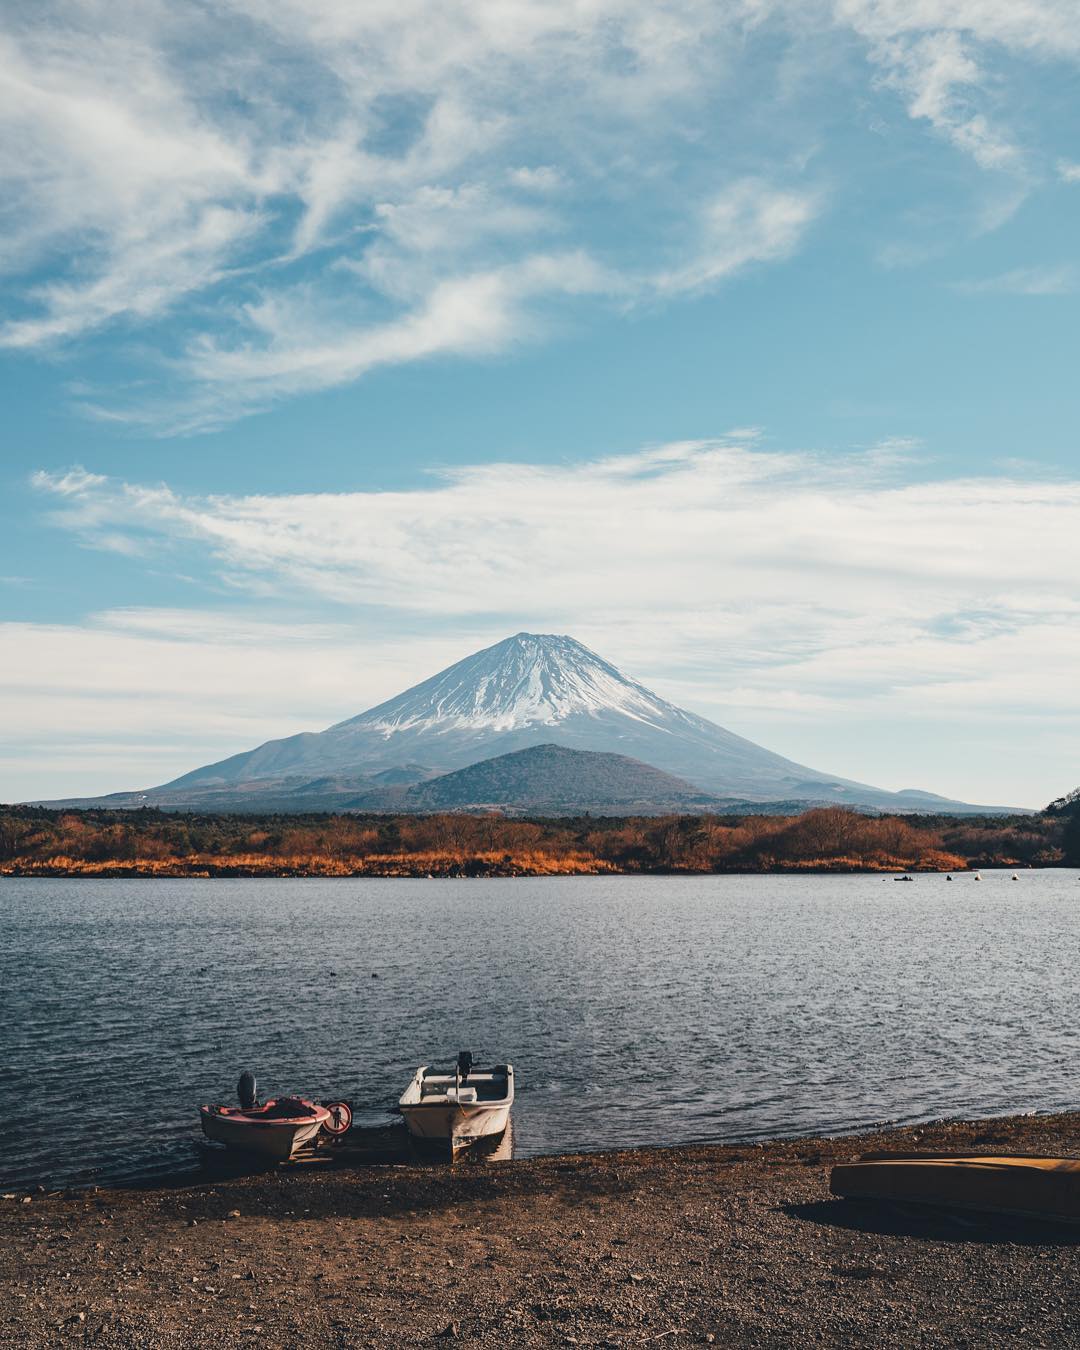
526, 680
529, 690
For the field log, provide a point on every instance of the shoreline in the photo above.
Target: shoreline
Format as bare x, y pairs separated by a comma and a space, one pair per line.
470, 869
825, 840
722, 1244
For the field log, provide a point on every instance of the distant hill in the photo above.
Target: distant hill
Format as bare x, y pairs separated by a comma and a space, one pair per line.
404, 773
287, 794
552, 780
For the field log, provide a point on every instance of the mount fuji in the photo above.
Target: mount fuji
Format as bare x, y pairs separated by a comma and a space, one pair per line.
527, 691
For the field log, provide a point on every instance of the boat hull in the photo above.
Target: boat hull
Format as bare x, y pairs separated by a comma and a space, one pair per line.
456, 1125
1034, 1187
275, 1140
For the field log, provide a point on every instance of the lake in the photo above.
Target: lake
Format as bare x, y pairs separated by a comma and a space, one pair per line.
636, 1010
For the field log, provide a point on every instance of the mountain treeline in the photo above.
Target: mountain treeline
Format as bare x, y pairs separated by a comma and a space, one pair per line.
39, 841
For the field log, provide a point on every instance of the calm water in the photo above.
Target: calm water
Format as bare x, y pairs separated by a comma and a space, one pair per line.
634, 1010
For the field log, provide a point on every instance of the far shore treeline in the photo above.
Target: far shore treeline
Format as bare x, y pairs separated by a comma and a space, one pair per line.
35, 841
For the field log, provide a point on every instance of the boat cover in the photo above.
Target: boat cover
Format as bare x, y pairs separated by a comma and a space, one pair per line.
289, 1108
1046, 1188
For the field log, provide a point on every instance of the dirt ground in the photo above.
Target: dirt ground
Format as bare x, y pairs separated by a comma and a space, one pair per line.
739, 1246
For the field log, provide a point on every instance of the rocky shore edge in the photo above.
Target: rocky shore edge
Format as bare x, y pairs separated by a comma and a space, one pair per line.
738, 1245
440, 867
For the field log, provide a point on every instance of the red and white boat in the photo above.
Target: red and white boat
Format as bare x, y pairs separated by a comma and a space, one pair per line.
276, 1129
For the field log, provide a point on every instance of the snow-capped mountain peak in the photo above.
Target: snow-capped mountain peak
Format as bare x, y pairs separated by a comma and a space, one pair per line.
531, 692
530, 679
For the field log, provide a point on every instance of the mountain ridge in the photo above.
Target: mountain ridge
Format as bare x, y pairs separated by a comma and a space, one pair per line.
527, 690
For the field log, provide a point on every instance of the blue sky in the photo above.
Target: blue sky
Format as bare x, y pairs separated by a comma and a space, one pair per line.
736, 340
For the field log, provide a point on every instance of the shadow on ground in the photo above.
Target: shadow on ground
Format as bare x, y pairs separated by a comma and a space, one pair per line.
374, 1172
888, 1218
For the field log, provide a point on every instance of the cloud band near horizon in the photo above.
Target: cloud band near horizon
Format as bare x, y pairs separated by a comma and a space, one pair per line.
784, 590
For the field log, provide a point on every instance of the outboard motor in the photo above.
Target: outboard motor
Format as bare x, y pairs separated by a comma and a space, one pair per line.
247, 1091
464, 1063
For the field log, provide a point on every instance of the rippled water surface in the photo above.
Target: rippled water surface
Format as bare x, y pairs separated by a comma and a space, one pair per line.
635, 1010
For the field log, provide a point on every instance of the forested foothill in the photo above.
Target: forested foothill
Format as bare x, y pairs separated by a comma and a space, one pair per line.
40, 841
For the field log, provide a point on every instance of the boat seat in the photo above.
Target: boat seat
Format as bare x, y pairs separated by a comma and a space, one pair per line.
461, 1095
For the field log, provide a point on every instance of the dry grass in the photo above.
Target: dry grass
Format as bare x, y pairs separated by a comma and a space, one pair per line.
433, 864
38, 842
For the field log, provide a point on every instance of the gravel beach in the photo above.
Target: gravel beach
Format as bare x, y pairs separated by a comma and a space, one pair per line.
732, 1246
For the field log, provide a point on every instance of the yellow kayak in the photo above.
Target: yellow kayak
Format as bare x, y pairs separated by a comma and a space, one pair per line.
1044, 1188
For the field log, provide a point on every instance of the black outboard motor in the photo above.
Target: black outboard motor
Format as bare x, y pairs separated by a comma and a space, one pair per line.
464, 1063
247, 1091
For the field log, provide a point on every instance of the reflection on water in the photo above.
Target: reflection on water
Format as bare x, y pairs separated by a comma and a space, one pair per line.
635, 1010
492, 1149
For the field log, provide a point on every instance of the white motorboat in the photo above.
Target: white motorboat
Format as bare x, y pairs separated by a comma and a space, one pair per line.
458, 1108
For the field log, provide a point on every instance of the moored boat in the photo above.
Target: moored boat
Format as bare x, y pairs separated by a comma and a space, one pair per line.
275, 1130
456, 1109
1034, 1187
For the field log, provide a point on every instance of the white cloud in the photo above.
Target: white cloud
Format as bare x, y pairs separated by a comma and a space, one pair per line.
542, 178
482, 311
150, 144
74, 482
141, 281
939, 54
477, 313
1060, 280
937, 73
488, 537
1041, 27
358, 171
810, 577
106, 160
747, 223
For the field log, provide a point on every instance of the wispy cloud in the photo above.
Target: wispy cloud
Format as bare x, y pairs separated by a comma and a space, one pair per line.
293, 344
749, 222
945, 59
108, 161
480, 312
1061, 280
809, 576
161, 167
343, 183
541, 178
938, 74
